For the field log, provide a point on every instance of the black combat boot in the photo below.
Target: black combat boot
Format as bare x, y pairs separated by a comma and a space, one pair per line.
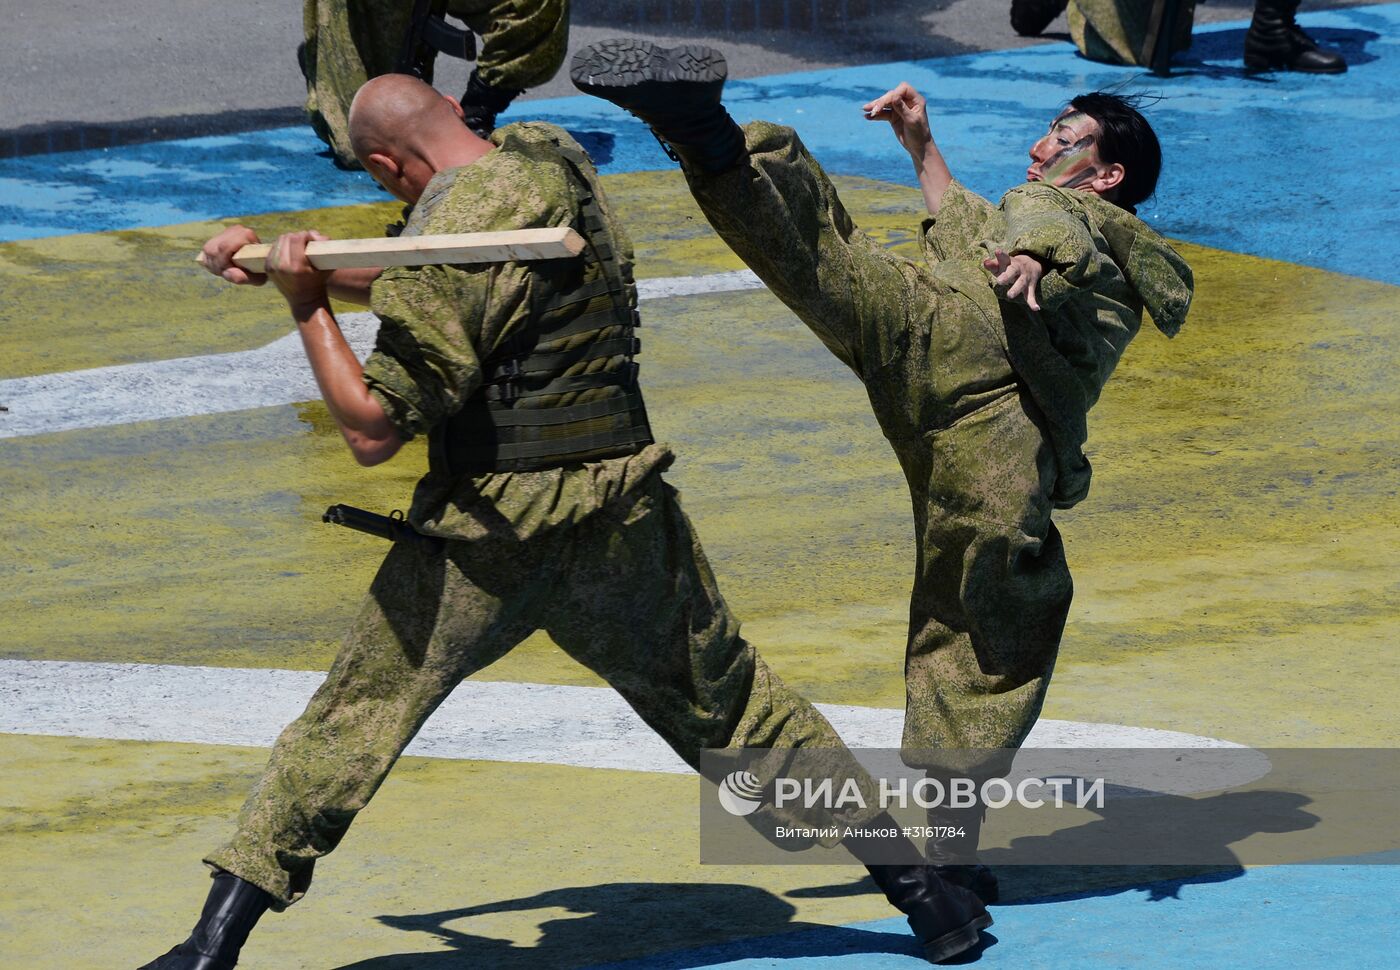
1030, 17
230, 912
1276, 42
481, 103
675, 90
947, 919
952, 858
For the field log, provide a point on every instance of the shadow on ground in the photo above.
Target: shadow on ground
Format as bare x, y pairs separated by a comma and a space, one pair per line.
633, 919
666, 926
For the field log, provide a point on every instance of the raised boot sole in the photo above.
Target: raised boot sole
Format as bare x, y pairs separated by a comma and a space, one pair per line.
650, 81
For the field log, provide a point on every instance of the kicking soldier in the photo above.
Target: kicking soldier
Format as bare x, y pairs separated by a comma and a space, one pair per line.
981, 361
521, 46
544, 488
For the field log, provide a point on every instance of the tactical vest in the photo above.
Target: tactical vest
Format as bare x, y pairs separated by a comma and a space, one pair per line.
509, 424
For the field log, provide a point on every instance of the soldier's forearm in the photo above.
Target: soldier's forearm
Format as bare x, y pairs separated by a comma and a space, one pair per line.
934, 177
361, 419
352, 285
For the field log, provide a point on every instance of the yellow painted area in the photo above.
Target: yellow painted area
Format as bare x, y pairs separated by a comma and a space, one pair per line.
73, 302
460, 863
1235, 563
453, 864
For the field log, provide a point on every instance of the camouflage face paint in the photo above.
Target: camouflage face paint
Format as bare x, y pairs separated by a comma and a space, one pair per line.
1067, 155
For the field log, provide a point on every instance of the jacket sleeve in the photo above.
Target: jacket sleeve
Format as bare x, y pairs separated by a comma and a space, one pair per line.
1041, 221
425, 362
963, 220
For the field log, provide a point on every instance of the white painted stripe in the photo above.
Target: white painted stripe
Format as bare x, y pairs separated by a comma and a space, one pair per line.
664, 287
585, 727
217, 383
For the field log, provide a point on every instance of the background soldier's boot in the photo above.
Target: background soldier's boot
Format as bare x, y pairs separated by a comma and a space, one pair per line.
230, 912
953, 859
947, 919
675, 90
1276, 42
481, 103
1030, 17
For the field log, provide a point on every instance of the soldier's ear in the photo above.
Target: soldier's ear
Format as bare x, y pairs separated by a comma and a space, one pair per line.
1109, 178
382, 167
456, 106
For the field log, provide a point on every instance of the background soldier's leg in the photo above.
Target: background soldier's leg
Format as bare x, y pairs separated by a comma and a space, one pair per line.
992, 589
347, 43
780, 213
520, 45
427, 623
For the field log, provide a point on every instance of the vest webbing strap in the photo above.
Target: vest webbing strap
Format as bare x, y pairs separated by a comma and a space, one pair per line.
599, 320
547, 417
562, 385
534, 439
579, 444
554, 363
583, 294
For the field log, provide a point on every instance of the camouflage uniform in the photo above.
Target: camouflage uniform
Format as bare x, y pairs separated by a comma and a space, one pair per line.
983, 401
350, 41
599, 554
1116, 32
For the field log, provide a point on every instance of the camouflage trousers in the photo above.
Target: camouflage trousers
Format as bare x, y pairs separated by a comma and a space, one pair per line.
627, 592
521, 45
991, 585
1120, 31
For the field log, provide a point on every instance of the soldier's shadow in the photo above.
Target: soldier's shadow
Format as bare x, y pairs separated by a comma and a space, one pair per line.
1123, 841
663, 916
677, 919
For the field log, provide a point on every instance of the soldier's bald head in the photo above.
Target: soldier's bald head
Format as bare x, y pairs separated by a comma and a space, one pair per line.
404, 132
393, 113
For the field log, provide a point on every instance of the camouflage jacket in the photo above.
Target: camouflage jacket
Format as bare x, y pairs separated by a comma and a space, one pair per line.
438, 323
1104, 266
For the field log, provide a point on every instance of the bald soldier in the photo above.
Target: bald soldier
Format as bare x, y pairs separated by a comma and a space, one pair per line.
521, 45
543, 503
981, 361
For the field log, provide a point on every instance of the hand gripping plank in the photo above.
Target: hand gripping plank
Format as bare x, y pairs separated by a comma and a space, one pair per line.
471, 247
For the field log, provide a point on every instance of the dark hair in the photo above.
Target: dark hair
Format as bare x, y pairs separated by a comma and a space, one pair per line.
1126, 138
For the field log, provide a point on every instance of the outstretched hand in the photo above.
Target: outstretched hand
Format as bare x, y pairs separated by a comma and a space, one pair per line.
217, 256
907, 112
1016, 278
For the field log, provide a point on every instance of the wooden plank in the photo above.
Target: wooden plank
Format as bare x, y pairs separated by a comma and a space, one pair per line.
468, 247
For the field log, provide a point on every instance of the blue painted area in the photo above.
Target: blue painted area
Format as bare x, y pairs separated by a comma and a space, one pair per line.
1293, 167
160, 183
1288, 166
1344, 917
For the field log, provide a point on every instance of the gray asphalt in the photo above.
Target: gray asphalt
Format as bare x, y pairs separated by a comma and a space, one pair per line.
163, 67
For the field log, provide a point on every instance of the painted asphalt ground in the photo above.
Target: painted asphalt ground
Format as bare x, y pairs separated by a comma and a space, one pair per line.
1229, 179
1265, 917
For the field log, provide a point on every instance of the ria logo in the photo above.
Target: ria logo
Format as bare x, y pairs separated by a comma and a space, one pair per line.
741, 793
